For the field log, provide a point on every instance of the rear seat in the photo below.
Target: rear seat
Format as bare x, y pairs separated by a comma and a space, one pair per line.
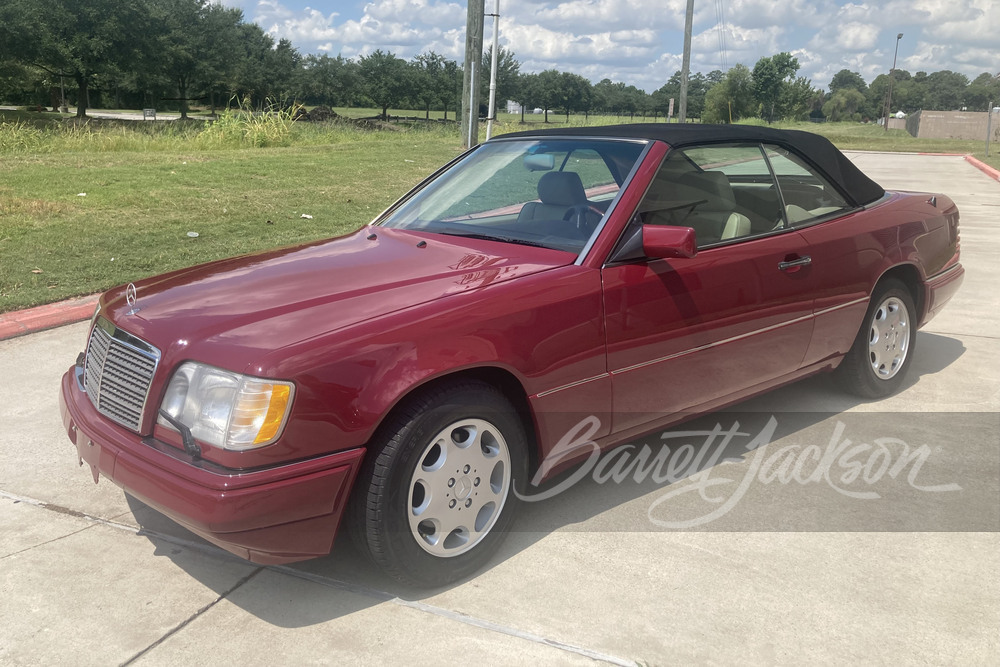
711, 213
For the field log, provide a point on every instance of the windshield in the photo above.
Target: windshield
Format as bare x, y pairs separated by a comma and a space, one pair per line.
550, 193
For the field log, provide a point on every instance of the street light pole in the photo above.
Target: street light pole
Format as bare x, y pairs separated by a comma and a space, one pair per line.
493, 72
892, 76
989, 127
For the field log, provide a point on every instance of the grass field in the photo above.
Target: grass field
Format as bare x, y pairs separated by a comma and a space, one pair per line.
83, 208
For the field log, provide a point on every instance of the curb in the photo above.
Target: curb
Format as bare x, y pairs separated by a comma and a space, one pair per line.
983, 167
49, 316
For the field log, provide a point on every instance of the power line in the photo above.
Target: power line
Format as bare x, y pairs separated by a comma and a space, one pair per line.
720, 14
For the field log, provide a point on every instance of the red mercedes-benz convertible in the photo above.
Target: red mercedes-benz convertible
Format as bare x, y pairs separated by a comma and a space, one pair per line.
404, 381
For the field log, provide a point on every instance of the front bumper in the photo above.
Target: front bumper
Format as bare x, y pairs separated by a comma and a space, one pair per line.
276, 515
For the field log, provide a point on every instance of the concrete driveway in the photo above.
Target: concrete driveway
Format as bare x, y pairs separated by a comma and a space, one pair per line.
889, 555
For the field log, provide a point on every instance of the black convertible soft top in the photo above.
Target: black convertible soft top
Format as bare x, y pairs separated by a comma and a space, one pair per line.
811, 147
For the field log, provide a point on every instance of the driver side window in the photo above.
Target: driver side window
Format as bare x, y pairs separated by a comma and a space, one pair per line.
723, 192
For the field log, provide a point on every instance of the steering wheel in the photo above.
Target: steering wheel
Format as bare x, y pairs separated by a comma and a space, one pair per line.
577, 214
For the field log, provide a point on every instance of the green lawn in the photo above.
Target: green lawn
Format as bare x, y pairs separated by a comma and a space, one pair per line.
147, 185
140, 205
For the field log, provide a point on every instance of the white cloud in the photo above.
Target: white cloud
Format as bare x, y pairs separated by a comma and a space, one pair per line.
850, 36
770, 13
639, 42
597, 15
419, 12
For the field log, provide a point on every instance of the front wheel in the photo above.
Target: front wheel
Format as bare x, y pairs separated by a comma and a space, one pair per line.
439, 480
880, 356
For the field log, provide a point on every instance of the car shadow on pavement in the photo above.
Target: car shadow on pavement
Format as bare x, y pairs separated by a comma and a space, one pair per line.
796, 459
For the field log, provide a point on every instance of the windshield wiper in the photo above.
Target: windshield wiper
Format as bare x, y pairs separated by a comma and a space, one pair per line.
502, 239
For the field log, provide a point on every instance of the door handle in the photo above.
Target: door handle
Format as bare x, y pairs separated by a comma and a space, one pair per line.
795, 263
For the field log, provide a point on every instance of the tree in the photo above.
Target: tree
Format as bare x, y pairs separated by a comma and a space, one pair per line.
426, 79
714, 77
907, 93
576, 94
770, 75
508, 69
330, 81
660, 101
671, 90
19, 83
798, 98
250, 80
732, 98
845, 78
451, 87
196, 40
845, 104
434, 81
636, 101
698, 86
917, 88
945, 91
983, 90
383, 79
282, 63
604, 94
526, 94
220, 46
79, 40
618, 98
549, 90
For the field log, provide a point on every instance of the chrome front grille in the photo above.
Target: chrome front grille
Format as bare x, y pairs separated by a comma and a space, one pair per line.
118, 372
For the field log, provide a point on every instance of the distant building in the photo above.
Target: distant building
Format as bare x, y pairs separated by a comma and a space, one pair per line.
951, 125
514, 107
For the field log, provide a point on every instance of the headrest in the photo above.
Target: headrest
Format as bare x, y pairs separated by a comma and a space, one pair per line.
561, 188
714, 183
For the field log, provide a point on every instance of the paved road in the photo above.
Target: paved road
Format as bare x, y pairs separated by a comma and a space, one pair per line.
117, 115
789, 573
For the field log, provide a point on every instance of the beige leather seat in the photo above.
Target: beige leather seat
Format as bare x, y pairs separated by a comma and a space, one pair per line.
716, 218
796, 213
737, 225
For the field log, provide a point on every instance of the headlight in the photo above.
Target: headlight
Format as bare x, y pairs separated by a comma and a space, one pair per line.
224, 409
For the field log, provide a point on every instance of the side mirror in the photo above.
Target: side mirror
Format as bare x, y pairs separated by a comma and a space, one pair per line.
668, 242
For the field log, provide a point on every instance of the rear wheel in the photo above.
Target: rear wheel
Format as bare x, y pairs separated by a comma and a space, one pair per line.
877, 363
439, 480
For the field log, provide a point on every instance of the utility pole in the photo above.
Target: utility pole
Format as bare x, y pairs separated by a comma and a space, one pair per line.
470, 83
892, 75
686, 66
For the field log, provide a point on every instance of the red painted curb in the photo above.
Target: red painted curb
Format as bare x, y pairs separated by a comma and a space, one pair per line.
30, 320
983, 167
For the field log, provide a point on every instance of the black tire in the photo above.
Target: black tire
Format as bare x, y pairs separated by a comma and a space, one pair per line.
409, 495
877, 362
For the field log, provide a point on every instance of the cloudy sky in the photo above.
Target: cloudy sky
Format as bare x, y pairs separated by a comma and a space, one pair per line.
639, 42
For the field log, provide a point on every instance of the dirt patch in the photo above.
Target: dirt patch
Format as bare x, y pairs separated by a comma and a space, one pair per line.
31, 207
320, 114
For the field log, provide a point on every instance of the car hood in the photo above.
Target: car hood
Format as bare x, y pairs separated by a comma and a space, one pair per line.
232, 311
